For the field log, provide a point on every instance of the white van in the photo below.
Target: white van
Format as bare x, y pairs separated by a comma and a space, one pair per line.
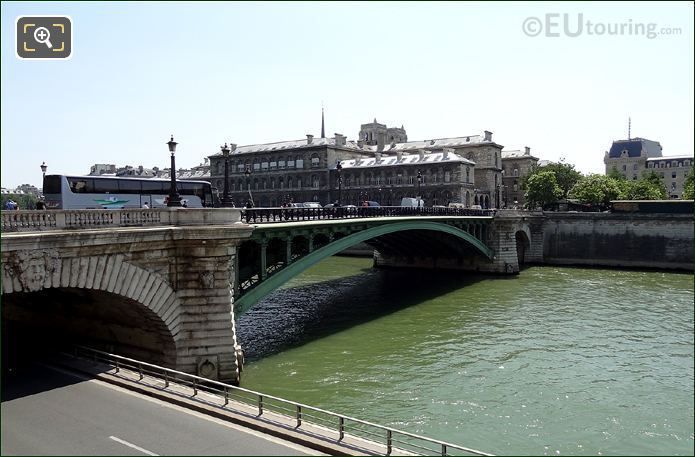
411, 202
311, 205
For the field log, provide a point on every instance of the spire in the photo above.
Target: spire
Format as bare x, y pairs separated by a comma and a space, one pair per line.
629, 127
323, 125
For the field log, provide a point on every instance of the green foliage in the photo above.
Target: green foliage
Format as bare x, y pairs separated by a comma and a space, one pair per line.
689, 187
542, 189
615, 174
641, 190
565, 176
597, 190
25, 201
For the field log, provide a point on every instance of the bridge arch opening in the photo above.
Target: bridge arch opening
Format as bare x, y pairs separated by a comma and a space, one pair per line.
523, 244
49, 320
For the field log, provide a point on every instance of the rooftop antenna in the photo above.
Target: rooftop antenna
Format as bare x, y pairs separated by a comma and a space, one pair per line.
629, 126
323, 128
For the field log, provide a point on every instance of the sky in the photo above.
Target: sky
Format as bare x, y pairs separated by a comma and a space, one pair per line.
248, 73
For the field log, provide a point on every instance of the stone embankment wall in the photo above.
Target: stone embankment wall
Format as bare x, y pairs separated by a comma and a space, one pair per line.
652, 240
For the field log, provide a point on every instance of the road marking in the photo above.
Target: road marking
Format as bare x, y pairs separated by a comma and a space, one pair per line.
240, 428
138, 448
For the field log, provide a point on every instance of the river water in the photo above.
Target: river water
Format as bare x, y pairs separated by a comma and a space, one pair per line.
554, 361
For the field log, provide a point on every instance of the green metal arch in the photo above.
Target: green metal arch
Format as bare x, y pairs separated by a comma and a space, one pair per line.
243, 303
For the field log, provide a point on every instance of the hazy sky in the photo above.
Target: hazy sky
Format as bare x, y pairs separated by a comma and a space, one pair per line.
251, 73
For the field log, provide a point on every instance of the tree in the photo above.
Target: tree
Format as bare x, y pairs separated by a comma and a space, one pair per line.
615, 174
689, 187
24, 201
565, 176
641, 190
542, 189
597, 190
657, 181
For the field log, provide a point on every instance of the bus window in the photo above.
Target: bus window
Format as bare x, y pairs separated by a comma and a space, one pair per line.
155, 187
51, 184
105, 186
129, 186
81, 185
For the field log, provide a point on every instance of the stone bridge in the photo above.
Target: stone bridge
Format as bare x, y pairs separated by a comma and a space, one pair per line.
160, 284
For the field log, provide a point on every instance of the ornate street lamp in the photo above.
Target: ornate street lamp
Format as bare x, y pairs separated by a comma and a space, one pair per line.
419, 181
44, 167
174, 197
247, 173
226, 199
339, 168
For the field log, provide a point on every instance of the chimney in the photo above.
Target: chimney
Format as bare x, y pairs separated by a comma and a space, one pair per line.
527, 151
422, 154
399, 156
309, 139
445, 153
232, 147
488, 135
339, 139
377, 156
380, 140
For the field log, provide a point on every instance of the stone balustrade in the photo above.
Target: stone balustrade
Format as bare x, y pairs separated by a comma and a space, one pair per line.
32, 221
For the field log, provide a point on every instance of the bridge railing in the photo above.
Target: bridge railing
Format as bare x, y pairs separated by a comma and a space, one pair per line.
266, 215
328, 424
32, 220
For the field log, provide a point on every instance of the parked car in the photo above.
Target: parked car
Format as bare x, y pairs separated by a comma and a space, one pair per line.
476, 207
311, 205
370, 204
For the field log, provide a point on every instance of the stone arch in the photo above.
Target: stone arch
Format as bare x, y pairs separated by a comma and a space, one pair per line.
522, 238
33, 271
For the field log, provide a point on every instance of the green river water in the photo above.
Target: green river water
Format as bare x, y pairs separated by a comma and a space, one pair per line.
554, 361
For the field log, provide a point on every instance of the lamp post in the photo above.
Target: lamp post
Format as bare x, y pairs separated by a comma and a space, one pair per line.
174, 197
419, 181
44, 167
247, 173
226, 199
339, 167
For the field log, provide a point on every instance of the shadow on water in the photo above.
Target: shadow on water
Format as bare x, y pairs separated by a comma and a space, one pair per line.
294, 316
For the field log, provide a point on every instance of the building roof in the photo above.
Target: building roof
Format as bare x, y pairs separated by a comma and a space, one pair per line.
667, 158
436, 143
517, 154
406, 159
633, 147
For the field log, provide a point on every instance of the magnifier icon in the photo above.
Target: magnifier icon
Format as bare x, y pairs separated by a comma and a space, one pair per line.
42, 35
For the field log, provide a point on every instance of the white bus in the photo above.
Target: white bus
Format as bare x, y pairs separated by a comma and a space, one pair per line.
117, 192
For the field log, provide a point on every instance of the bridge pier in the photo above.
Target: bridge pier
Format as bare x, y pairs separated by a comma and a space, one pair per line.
163, 294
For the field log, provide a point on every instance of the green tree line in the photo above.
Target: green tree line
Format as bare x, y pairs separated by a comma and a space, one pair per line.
556, 181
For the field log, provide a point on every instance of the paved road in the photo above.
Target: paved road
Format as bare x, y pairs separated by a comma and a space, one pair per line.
52, 412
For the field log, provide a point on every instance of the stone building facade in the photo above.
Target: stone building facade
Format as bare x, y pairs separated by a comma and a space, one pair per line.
464, 169
515, 165
633, 157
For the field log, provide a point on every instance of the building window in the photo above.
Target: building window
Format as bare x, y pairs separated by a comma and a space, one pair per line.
673, 175
515, 172
264, 166
447, 176
634, 166
281, 164
314, 161
273, 165
634, 177
516, 187
468, 174
315, 182
300, 163
624, 167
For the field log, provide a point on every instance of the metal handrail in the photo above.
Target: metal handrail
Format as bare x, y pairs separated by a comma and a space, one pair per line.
270, 215
262, 403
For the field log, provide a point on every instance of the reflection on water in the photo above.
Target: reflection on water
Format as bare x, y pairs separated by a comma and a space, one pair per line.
556, 360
